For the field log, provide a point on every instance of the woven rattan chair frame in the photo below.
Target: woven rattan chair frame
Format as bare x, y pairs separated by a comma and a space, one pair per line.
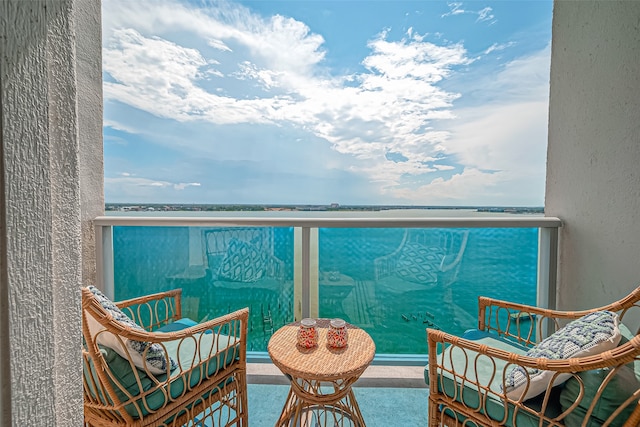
526, 325
218, 397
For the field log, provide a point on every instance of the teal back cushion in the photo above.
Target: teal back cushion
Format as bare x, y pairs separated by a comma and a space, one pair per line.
617, 391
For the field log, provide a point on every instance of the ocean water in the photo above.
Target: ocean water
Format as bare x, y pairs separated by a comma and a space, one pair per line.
383, 280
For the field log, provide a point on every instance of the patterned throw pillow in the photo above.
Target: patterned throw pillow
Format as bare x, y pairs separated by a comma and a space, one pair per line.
243, 262
419, 263
591, 334
156, 361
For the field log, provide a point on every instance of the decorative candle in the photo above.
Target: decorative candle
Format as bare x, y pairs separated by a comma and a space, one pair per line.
307, 333
337, 334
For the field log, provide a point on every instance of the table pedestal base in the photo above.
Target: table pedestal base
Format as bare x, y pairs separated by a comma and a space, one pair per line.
344, 412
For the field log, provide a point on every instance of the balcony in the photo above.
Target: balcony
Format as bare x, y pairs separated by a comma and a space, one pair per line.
591, 119
392, 277
359, 269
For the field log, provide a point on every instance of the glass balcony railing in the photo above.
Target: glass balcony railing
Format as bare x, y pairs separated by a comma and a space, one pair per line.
393, 278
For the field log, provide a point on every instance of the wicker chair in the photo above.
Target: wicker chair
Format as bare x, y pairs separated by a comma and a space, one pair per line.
469, 376
202, 377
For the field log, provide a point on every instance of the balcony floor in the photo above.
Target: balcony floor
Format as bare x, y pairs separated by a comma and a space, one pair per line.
387, 395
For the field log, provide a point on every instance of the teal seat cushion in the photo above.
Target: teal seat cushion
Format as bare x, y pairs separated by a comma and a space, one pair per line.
483, 371
178, 325
619, 388
476, 335
125, 382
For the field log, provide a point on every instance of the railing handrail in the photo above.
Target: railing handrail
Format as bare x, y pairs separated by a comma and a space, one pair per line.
338, 222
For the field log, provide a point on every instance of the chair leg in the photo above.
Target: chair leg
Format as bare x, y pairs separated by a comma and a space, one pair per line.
243, 403
434, 414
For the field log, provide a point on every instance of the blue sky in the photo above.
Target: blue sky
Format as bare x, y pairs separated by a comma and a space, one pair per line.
314, 102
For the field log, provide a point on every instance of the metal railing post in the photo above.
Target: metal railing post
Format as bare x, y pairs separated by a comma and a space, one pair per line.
104, 259
547, 270
306, 272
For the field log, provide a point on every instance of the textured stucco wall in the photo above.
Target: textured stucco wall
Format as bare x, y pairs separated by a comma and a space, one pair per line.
593, 167
88, 23
41, 242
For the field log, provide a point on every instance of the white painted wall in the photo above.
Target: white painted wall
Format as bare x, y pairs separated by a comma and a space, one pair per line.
51, 185
593, 166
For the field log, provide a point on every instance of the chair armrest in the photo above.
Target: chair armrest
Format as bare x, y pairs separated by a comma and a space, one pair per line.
625, 353
524, 323
529, 324
155, 310
241, 316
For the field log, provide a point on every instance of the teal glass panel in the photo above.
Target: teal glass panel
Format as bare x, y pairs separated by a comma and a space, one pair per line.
395, 283
219, 269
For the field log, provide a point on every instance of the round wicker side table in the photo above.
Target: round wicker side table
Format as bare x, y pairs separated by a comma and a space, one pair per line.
321, 377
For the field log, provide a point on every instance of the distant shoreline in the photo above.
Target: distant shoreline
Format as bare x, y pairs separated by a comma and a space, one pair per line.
333, 207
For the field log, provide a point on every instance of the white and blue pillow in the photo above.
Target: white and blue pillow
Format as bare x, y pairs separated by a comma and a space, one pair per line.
591, 334
144, 355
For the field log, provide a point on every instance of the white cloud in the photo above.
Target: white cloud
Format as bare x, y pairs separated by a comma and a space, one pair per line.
501, 143
183, 185
498, 47
117, 125
484, 15
128, 180
398, 95
277, 42
127, 187
255, 71
455, 8
413, 59
515, 142
463, 187
160, 77
524, 78
217, 44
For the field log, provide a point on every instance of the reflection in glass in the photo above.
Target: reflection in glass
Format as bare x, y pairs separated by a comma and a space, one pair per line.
392, 282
